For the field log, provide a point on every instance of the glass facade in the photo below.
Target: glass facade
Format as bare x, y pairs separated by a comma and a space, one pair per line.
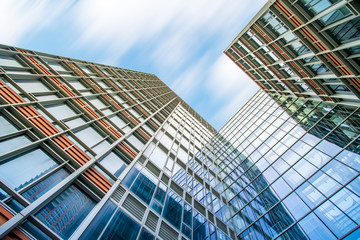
96, 152
306, 48
290, 168
89, 151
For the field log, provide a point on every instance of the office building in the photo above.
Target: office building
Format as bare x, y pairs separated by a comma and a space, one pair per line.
290, 168
291, 164
89, 150
307, 49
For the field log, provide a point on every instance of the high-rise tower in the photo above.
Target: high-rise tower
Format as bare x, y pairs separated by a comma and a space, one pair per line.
308, 49
291, 169
292, 166
89, 150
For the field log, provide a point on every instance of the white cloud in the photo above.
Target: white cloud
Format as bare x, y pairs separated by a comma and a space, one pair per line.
226, 78
190, 79
229, 84
166, 31
179, 40
19, 19
170, 35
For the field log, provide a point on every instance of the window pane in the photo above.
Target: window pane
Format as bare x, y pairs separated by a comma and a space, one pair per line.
6, 126
97, 225
144, 186
9, 61
13, 143
75, 122
158, 157
121, 227
89, 136
45, 185
173, 209
56, 66
19, 171
315, 229
76, 84
145, 235
136, 142
114, 164
65, 213
60, 111
32, 85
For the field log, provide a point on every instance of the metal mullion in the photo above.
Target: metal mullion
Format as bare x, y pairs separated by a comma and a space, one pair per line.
50, 195
44, 93
339, 22
14, 134
12, 195
264, 130
254, 106
72, 117
80, 230
52, 171
231, 122
317, 206
279, 140
305, 179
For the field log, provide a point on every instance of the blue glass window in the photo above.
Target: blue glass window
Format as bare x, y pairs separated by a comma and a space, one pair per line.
315, 229
198, 219
347, 31
160, 193
334, 219
65, 213
187, 214
186, 231
95, 228
350, 155
34, 231
45, 185
296, 206
130, 177
222, 236
173, 209
201, 232
156, 206
354, 235
6, 126
121, 227
144, 186
349, 203
316, 7
145, 235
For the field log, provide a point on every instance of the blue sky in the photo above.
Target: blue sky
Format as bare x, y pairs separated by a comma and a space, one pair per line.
180, 41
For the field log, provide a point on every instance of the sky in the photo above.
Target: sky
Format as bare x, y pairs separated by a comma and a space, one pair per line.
180, 41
